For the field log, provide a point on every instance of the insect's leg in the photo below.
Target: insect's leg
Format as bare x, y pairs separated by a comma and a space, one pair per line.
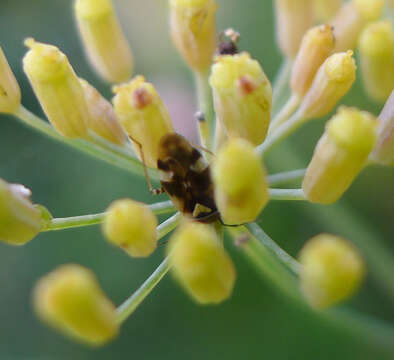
147, 178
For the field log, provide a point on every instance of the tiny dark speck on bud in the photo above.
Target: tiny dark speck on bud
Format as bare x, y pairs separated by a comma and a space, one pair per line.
200, 116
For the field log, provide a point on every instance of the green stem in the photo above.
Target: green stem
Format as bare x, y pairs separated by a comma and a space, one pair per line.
281, 132
93, 219
130, 305
287, 194
281, 85
205, 103
284, 114
119, 157
284, 177
274, 263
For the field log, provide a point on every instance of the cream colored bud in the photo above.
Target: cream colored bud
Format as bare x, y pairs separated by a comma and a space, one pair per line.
71, 300
332, 81
102, 119
293, 19
242, 97
57, 88
143, 115
103, 39
351, 19
340, 155
241, 188
376, 48
332, 270
326, 9
317, 44
20, 220
201, 264
132, 226
193, 31
10, 94
383, 152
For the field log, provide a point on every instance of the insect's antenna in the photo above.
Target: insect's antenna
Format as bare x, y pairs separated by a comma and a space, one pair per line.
234, 225
147, 178
202, 148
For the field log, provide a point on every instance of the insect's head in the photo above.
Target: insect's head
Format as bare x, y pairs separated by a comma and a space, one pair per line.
175, 146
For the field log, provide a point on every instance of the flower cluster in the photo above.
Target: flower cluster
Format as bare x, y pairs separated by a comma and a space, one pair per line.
223, 184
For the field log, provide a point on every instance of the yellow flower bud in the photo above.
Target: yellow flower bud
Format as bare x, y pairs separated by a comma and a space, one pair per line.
201, 264
332, 270
103, 39
241, 188
317, 44
340, 155
242, 97
193, 31
71, 300
132, 226
143, 115
57, 88
293, 19
102, 119
20, 220
376, 47
351, 19
10, 94
326, 9
332, 81
383, 152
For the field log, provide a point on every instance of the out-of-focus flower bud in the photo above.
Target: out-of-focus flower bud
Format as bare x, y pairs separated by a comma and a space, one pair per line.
132, 226
376, 47
57, 88
201, 264
293, 19
193, 31
242, 97
326, 9
332, 270
10, 94
351, 19
20, 220
102, 119
103, 39
71, 300
340, 155
383, 152
241, 188
143, 115
333, 80
317, 44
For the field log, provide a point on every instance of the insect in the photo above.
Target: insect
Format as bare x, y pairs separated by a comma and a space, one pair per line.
228, 40
186, 178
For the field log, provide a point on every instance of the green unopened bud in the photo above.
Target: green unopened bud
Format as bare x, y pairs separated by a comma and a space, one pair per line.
332, 270
383, 152
57, 88
143, 115
20, 220
10, 94
317, 44
340, 155
103, 39
71, 300
293, 19
376, 47
193, 31
326, 9
350, 20
102, 119
242, 97
241, 189
132, 226
332, 81
201, 264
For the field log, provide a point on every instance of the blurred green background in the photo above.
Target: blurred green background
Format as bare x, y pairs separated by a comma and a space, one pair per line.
258, 322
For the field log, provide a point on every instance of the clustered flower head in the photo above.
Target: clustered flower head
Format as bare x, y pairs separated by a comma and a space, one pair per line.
223, 186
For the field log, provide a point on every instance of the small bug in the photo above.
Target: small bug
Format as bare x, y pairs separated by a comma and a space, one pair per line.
186, 178
228, 40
